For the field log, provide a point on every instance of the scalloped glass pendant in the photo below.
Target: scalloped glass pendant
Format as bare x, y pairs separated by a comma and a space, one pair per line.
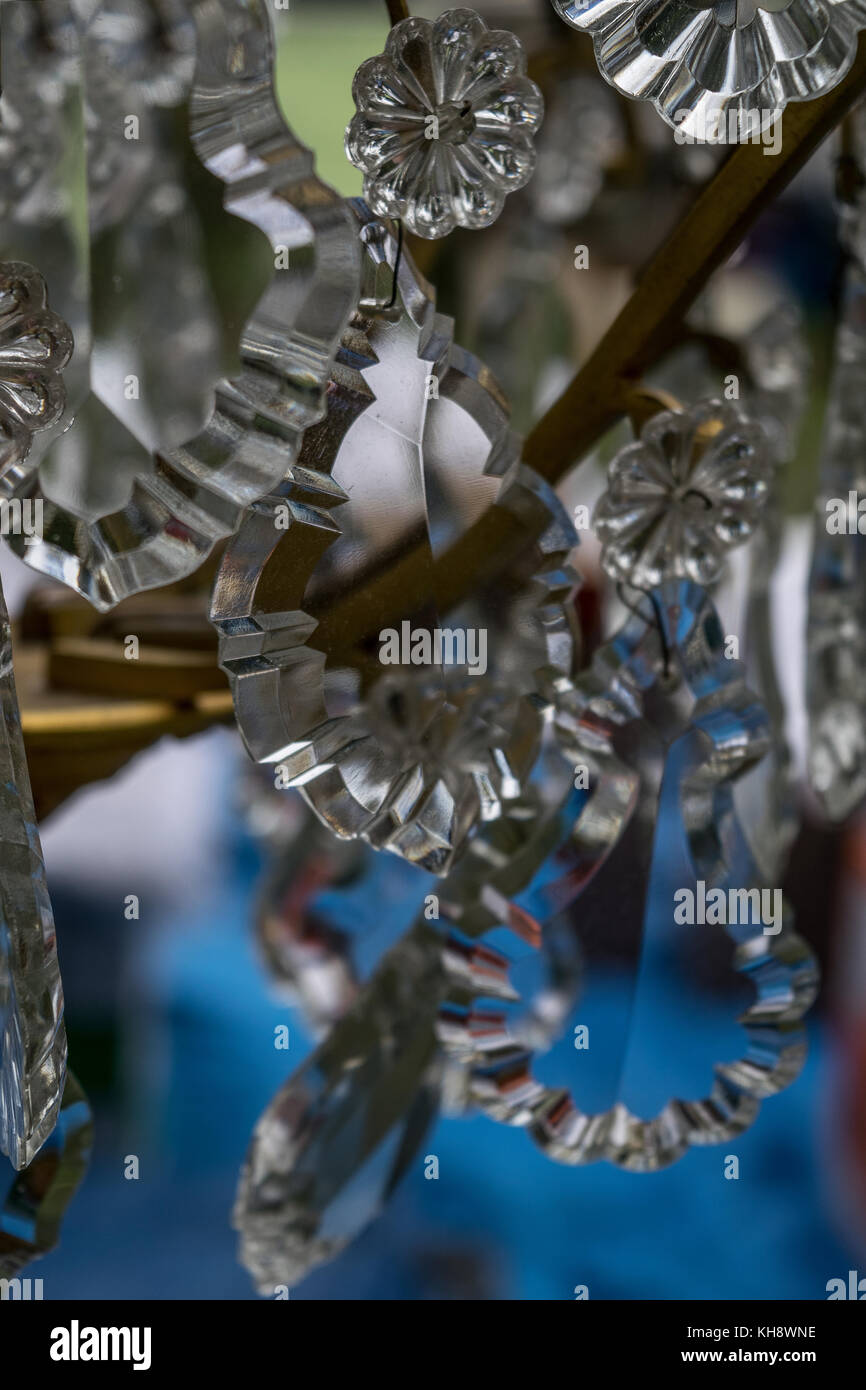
133, 134
412, 736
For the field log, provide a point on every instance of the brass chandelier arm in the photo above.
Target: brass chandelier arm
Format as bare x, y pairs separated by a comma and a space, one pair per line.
86, 710
747, 182
397, 10
646, 328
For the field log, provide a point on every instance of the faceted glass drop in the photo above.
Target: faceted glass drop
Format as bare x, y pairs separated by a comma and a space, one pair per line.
32, 1036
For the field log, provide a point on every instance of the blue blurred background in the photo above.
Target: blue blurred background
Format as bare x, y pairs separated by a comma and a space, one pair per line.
172, 1031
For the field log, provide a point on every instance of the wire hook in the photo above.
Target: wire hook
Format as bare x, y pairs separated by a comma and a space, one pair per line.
397, 259
638, 613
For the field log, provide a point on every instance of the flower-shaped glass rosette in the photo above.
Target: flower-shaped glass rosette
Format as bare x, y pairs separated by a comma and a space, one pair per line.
444, 123
35, 346
688, 490
714, 67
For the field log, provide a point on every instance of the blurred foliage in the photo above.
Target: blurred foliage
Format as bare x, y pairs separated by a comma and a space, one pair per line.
801, 477
319, 49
